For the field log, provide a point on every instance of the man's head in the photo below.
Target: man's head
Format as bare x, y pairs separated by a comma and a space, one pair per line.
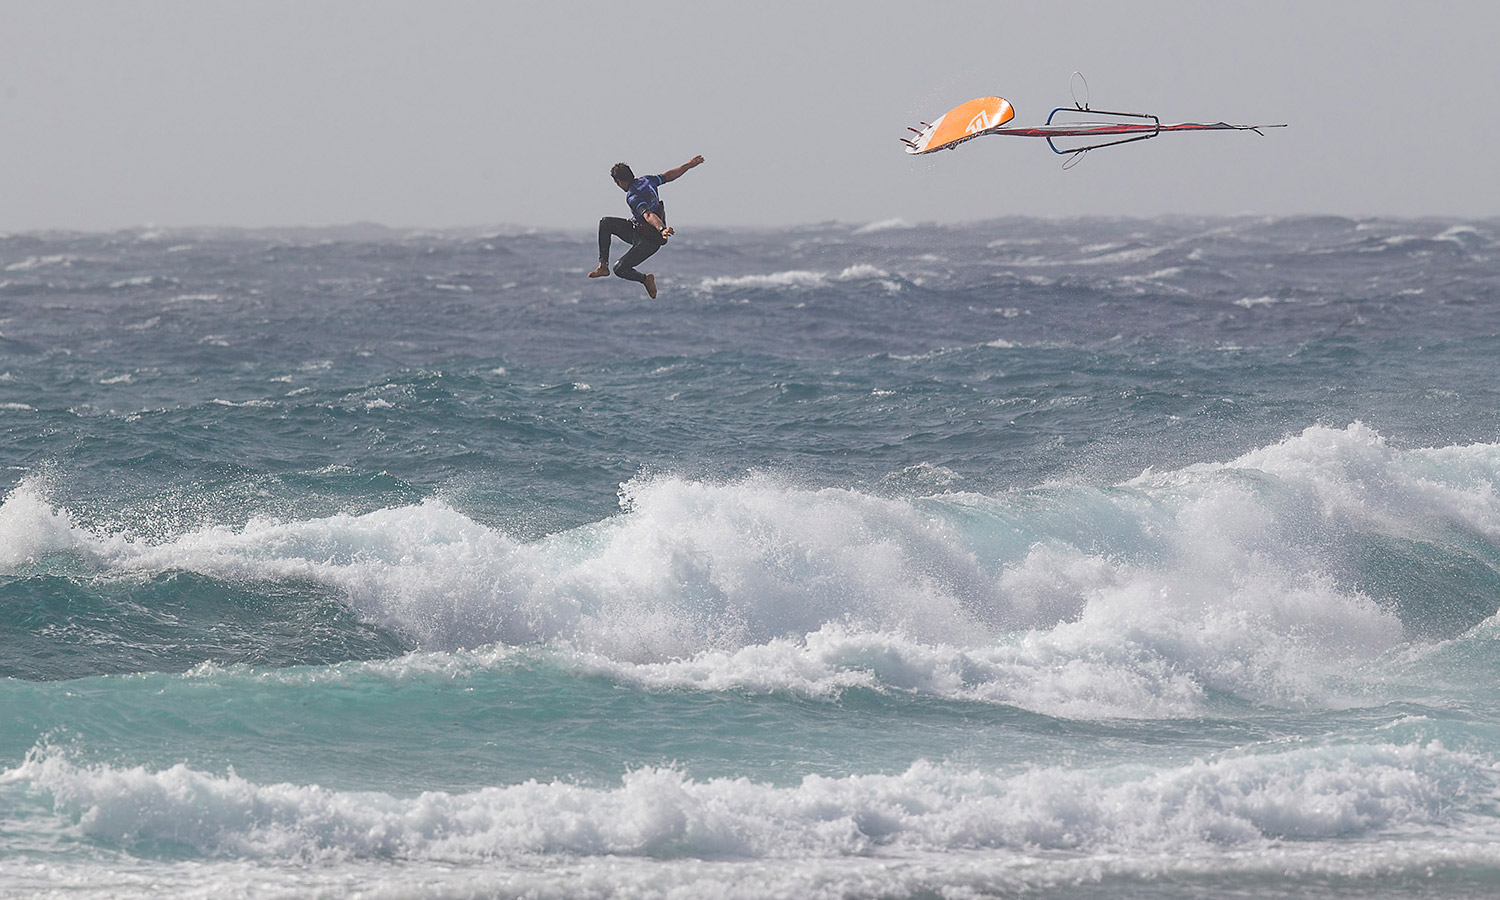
622, 175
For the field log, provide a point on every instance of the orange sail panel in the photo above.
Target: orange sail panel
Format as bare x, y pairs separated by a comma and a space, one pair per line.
961, 123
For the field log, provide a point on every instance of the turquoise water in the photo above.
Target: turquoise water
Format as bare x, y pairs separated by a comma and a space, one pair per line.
1075, 559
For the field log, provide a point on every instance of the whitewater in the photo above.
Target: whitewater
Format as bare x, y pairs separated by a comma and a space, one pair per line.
1057, 559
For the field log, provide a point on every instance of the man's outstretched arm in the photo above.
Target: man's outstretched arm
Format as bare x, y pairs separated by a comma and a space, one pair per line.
674, 174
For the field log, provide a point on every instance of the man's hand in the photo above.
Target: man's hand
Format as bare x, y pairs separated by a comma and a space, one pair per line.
667, 232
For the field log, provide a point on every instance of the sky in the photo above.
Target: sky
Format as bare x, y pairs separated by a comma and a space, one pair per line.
447, 114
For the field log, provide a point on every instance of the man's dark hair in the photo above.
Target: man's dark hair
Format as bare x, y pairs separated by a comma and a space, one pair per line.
621, 172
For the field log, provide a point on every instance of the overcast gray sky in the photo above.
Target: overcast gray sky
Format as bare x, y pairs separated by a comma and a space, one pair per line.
433, 114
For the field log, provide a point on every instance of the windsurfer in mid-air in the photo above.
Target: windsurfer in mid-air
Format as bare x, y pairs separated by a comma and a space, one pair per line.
646, 231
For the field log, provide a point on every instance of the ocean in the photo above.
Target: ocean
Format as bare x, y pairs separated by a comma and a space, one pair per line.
1052, 559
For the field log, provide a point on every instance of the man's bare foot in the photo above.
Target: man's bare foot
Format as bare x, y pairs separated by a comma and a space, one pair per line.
651, 286
600, 272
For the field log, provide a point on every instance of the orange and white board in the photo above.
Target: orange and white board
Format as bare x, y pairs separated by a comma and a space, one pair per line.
961, 123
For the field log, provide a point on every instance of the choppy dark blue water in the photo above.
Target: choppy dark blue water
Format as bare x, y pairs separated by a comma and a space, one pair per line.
1070, 559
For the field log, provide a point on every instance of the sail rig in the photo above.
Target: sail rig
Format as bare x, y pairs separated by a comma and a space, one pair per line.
1079, 130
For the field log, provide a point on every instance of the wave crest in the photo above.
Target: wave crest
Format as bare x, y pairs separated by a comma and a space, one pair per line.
1344, 792
1262, 579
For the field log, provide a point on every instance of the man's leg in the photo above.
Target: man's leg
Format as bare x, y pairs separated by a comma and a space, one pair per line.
611, 226
636, 255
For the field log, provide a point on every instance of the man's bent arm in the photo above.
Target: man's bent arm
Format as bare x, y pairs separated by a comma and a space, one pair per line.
674, 174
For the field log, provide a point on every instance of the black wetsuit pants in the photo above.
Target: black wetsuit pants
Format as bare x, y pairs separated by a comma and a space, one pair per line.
642, 244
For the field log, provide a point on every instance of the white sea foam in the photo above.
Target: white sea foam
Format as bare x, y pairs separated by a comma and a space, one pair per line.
795, 278
1358, 476
1466, 236
140, 281
1159, 274
40, 262
860, 272
1144, 599
1340, 870
1200, 805
30, 527
882, 225
1112, 253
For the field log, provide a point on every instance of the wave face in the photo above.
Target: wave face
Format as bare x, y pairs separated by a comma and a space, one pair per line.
1075, 559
